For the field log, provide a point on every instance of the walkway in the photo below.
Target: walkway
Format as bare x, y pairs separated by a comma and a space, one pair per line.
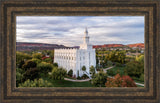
139, 84
104, 70
72, 80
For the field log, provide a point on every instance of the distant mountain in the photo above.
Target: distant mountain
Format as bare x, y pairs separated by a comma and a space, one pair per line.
140, 45
25, 46
108, 45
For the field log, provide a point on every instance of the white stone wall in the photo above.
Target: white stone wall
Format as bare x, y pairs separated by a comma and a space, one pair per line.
75, 59
66, 58
86, 58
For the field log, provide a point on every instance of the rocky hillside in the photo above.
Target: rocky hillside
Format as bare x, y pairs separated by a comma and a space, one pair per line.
24, 46
140, 45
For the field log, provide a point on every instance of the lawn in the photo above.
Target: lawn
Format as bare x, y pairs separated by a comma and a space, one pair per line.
115, 70
65, 83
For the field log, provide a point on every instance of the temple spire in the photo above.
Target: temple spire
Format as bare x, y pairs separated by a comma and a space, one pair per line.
86, 32
86, 37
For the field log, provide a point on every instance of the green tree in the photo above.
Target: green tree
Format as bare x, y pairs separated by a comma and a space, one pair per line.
134, 69
84, 68
70, 72
21, 63
55, 64
31, 74
36, 60
52, 54
99, 79
109, 63
48, 60
20, 56
29, 64
37, 55
44, 68
36, 83
58, 73
140, 58
142, 77
92, 70
19, 76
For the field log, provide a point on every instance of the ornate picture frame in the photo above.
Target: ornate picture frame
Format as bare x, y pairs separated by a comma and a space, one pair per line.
9, 9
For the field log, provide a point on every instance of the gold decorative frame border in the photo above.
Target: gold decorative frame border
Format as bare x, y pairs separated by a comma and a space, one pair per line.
9, 9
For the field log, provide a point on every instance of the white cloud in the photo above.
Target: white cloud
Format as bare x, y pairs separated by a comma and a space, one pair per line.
69, 30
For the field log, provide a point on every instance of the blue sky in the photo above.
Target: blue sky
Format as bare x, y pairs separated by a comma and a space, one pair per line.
69, 30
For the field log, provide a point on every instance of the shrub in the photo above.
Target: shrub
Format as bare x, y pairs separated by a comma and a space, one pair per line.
20, 70
20, 56
21, 63
128, 82
118, 81
45, 68
79, 78
48, 60
19, 77
31, 74
29, 64
36, 83
84, 76
114, 82
58, 73
70, 73
109, 63
84, 68
55, 64
36, 60
92, 70
99, 79
141, 78
140, 58
78, 73
134, 69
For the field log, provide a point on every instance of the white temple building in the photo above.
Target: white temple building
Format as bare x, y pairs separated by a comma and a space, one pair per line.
75, 59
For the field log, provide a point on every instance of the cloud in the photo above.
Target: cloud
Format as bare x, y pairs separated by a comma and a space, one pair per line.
69, 30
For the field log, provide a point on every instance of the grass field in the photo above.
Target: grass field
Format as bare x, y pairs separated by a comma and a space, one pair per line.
115, 70
65, 83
